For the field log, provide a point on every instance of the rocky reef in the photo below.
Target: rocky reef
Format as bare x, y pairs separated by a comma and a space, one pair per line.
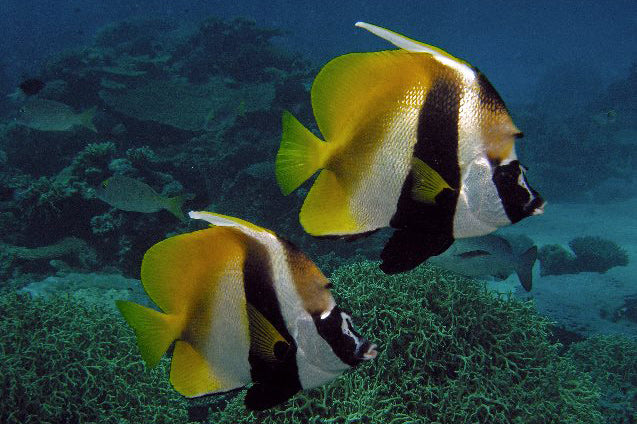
589, 254
191, 109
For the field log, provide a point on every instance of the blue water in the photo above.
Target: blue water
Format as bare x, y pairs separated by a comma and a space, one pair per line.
512, 42
567, 72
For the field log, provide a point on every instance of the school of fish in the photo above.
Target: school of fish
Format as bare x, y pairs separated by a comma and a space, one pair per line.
414, 139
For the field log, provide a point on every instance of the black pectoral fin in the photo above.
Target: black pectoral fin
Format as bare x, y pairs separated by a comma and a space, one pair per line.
406, 249
264, 395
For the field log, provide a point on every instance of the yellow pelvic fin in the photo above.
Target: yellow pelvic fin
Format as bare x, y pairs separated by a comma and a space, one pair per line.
326, 208
427, 182
190, 373
86, 118
155, 331
300, 155
264, 337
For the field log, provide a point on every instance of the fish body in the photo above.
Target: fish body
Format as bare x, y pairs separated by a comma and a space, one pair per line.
415, 139
241, 306
489, 255
129, 194
49, 115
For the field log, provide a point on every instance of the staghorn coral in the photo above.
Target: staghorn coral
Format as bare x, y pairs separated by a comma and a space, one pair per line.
449, 352
67, 362
611, 361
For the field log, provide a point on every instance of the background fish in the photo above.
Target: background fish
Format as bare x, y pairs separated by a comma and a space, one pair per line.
129, 194
490, 255
241, 306
49, 115
415, 139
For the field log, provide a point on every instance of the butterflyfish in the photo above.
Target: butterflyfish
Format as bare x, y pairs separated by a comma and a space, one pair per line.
415, 139
241, 307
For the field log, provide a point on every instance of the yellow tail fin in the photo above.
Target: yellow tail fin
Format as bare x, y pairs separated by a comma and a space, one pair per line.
174, 204
301, 154
86, 118
155, 331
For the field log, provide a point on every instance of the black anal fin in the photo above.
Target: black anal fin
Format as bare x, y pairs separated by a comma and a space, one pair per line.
265, 395
408, 248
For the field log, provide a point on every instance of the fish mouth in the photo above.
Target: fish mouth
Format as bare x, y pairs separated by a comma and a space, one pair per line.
366, 351
535, 206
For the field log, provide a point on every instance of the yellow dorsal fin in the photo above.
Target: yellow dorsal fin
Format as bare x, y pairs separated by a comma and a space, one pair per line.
353, 90
219, 220
427, 182
190, 374
155, 331
265, 340
182, 269
403, 42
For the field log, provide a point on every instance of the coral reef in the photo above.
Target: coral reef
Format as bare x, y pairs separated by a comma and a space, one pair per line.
187, 106
611, 361
449, 352
63, 361
590, 254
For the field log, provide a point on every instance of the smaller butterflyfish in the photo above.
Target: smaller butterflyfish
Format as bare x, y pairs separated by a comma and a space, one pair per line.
129, 194
48, 115
242, 307
415, 139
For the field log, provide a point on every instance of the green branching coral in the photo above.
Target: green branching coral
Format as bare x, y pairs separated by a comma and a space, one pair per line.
450, 352
63, 362
611, 362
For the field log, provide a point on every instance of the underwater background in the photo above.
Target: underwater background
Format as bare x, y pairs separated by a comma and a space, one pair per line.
189, 100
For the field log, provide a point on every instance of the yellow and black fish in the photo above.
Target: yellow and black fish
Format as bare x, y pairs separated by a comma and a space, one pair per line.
415, 139
241, 305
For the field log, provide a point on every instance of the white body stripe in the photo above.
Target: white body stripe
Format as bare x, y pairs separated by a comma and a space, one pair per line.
375, 201
316, 361
479, 210
228, 356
